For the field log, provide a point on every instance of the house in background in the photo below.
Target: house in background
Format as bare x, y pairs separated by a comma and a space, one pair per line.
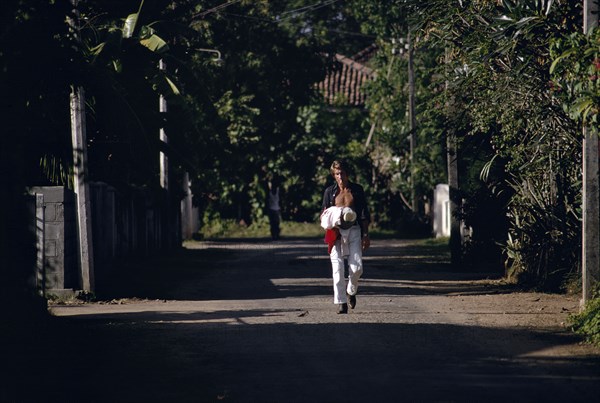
346, 77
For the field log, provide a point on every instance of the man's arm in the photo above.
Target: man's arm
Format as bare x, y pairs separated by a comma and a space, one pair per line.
364, 230
326, 199
365, 220
364, 227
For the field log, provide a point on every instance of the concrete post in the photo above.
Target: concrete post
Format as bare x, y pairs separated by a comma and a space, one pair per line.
40, 244
82, 190
590, 271
164, 159
187, 226
453, 183
413, 123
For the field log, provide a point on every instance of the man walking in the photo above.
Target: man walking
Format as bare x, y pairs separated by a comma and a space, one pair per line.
346, 217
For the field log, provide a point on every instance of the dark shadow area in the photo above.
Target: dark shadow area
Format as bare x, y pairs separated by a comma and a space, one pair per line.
249, 269
250, 240
262, 240
283, 354
167, 357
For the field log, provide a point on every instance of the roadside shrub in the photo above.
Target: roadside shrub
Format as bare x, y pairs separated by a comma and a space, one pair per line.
587, 323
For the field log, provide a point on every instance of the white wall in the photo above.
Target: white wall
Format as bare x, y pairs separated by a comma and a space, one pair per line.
441, 210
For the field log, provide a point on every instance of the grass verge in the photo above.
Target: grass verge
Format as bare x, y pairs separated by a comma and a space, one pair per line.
587, 322
232, 229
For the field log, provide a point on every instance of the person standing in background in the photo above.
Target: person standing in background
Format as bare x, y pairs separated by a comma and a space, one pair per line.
273, 206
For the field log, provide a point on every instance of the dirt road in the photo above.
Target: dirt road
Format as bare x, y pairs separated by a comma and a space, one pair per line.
255, 322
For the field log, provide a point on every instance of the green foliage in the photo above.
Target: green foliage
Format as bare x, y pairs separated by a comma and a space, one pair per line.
119, 49
510, 127
396, 170
544, 239
234, 126
576, 70
505, 78
587, 322
239, 116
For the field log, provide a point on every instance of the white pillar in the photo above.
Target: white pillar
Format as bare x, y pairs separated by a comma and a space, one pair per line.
82, 190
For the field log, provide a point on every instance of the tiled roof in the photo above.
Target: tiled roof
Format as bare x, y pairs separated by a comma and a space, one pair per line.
345, 79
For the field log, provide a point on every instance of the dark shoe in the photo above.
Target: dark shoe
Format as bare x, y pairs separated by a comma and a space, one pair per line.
352, 301
342, 308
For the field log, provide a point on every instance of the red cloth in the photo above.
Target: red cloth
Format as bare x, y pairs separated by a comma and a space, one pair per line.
331, 235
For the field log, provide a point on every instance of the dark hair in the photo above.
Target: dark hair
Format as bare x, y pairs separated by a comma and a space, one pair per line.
341, 165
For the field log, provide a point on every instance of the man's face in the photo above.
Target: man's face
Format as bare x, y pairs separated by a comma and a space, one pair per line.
341, 177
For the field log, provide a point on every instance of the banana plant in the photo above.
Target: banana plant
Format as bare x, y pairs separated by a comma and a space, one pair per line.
144, 35
119, 59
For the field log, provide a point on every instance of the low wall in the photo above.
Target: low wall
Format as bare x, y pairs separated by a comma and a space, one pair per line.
56, 231
135, 223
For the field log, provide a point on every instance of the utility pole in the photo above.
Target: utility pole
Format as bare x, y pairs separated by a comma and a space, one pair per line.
167, 220
413, 123
164, 159
82, 190
590, 270
455, 201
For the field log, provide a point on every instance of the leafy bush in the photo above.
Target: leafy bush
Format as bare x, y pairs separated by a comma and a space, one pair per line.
498, 101
575, 71
587, 323
544, 242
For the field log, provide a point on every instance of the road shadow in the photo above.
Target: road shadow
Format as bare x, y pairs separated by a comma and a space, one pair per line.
269, 352
222, 356
256, 269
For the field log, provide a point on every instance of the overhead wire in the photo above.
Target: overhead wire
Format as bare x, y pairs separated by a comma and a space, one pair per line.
297, 12
215, 9
298, 9
336, 31
308, 9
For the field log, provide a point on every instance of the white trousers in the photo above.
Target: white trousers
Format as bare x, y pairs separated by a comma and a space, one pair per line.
355, 266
